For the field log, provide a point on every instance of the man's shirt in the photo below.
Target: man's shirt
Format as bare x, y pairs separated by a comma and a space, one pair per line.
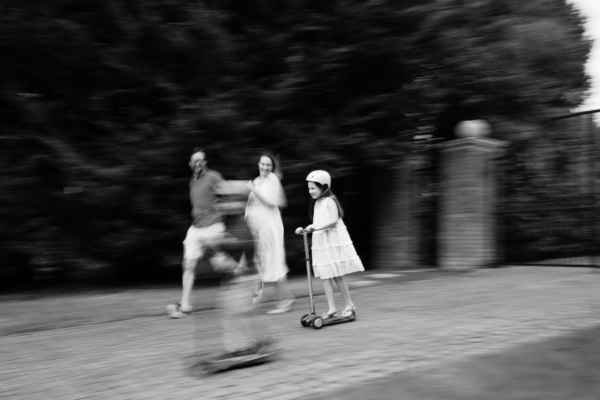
203, 195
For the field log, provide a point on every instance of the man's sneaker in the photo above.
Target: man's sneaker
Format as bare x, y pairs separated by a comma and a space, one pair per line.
176, 311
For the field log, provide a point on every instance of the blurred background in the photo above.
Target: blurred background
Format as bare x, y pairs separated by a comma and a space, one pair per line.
102, 102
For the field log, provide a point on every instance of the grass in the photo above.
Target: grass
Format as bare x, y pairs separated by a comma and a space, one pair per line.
562, 368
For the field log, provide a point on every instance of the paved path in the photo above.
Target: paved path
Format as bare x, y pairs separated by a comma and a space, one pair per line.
400, 326
39, 310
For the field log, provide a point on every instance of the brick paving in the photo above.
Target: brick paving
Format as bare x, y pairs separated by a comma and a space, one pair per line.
400, 326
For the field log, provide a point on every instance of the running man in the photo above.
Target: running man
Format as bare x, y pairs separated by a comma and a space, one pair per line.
207, 226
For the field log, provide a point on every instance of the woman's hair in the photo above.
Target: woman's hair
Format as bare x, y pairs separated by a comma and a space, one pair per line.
272, 158
325, 192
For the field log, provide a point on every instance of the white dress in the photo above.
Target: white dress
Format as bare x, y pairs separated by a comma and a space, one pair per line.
332, 249
264, 221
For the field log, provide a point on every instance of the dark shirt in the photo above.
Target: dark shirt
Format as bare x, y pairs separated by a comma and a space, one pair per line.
203, 195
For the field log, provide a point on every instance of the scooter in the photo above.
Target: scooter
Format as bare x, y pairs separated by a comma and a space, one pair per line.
263, 353
312, 319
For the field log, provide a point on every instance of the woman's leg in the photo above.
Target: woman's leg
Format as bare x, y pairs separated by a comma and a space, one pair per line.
189, 273
285, 296
328, 286
343, 287
284, 290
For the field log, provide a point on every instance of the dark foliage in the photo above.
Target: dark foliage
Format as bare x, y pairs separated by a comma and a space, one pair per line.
102, 101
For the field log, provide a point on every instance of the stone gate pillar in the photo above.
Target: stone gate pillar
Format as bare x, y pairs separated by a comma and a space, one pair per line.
393, 241
467, 231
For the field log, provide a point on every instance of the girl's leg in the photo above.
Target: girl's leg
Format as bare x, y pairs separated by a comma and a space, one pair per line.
343, 287
328, 286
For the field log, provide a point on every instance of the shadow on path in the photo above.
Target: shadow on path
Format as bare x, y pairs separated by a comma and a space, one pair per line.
563, 368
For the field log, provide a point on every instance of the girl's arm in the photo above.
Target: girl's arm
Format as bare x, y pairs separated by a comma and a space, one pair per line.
333, 217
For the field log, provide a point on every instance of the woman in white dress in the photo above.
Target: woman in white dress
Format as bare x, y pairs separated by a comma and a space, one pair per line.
264, 220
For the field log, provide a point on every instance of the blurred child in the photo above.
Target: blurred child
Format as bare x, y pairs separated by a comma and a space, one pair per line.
233, 259
333, 254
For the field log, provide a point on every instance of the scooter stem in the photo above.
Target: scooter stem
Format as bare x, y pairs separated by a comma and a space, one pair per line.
308, 272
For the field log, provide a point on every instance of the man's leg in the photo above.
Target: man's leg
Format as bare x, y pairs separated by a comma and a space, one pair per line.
200, 239
189, 275
192, 252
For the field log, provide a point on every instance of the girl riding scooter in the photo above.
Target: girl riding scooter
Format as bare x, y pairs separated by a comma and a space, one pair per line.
333, 253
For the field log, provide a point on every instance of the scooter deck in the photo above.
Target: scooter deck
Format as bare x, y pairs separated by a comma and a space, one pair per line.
215, 365
339, 320
318, 322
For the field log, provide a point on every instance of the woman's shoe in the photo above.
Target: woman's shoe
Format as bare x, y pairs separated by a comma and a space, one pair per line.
283, 307
178, 311
278, 310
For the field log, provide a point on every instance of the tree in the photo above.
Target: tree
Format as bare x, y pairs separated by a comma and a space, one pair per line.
102, 101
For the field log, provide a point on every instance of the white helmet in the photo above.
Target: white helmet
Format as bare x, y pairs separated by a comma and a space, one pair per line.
321, 177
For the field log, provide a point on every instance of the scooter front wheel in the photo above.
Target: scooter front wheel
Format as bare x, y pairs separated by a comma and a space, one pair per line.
305, 321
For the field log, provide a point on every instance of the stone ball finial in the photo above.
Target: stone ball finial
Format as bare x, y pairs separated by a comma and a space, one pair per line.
476, 128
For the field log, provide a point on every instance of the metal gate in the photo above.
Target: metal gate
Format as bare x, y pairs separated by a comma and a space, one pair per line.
549, 213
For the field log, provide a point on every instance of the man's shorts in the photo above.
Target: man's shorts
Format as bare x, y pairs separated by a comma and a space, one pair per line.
196, 239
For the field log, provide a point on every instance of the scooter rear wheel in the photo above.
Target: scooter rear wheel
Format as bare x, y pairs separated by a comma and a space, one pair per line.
318, 323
